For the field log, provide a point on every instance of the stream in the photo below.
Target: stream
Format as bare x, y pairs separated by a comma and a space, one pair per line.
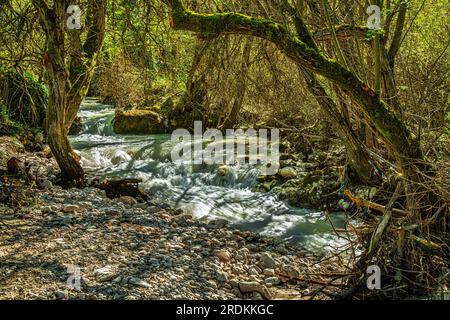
197, 190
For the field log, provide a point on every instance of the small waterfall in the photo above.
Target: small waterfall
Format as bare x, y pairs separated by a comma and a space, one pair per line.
197, 189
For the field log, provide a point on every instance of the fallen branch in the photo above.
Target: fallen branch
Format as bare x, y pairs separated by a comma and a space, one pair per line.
118, 188
371, 205
311, 280
376, 236
427, 244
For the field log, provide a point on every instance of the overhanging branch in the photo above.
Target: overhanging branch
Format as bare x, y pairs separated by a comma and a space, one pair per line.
388, 124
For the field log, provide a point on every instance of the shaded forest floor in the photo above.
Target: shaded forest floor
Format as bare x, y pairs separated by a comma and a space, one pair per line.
131, 250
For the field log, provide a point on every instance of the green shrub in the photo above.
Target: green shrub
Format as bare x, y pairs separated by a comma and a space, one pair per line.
24, 98
8, 126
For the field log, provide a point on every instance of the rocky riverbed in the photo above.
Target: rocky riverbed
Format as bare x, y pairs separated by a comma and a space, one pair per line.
124, 249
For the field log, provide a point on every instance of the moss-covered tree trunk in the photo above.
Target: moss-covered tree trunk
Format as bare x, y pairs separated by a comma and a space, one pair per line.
68, 76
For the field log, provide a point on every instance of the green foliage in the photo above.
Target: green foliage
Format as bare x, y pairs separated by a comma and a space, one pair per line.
8, 126
372, 33
24, 98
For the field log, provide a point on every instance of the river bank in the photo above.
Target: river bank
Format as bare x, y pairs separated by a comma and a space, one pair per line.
131, 250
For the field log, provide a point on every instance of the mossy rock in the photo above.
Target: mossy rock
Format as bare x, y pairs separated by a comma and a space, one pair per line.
287, 173
139, 122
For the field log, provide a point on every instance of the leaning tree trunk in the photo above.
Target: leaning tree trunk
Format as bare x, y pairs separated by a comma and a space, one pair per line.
54, 62
358, 157
68, 161
68, 82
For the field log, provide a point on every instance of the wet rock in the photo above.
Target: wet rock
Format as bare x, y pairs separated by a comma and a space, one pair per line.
223, 171
266, 186
218, 223
250, 287
287, 163
182, 217
281, 249
120, 157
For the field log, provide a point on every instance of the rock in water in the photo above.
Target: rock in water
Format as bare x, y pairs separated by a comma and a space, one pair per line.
120, 157
125, 187
218, 223
223, 171
138, 122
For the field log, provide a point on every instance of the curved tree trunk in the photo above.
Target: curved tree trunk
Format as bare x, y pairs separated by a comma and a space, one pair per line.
68, 83
357, 154
68, 161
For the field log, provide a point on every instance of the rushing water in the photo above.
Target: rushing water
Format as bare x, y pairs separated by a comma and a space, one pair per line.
198, 190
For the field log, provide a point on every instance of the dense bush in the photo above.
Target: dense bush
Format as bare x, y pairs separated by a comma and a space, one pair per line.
24, 99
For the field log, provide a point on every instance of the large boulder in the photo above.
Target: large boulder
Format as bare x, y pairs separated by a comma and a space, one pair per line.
139, 122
